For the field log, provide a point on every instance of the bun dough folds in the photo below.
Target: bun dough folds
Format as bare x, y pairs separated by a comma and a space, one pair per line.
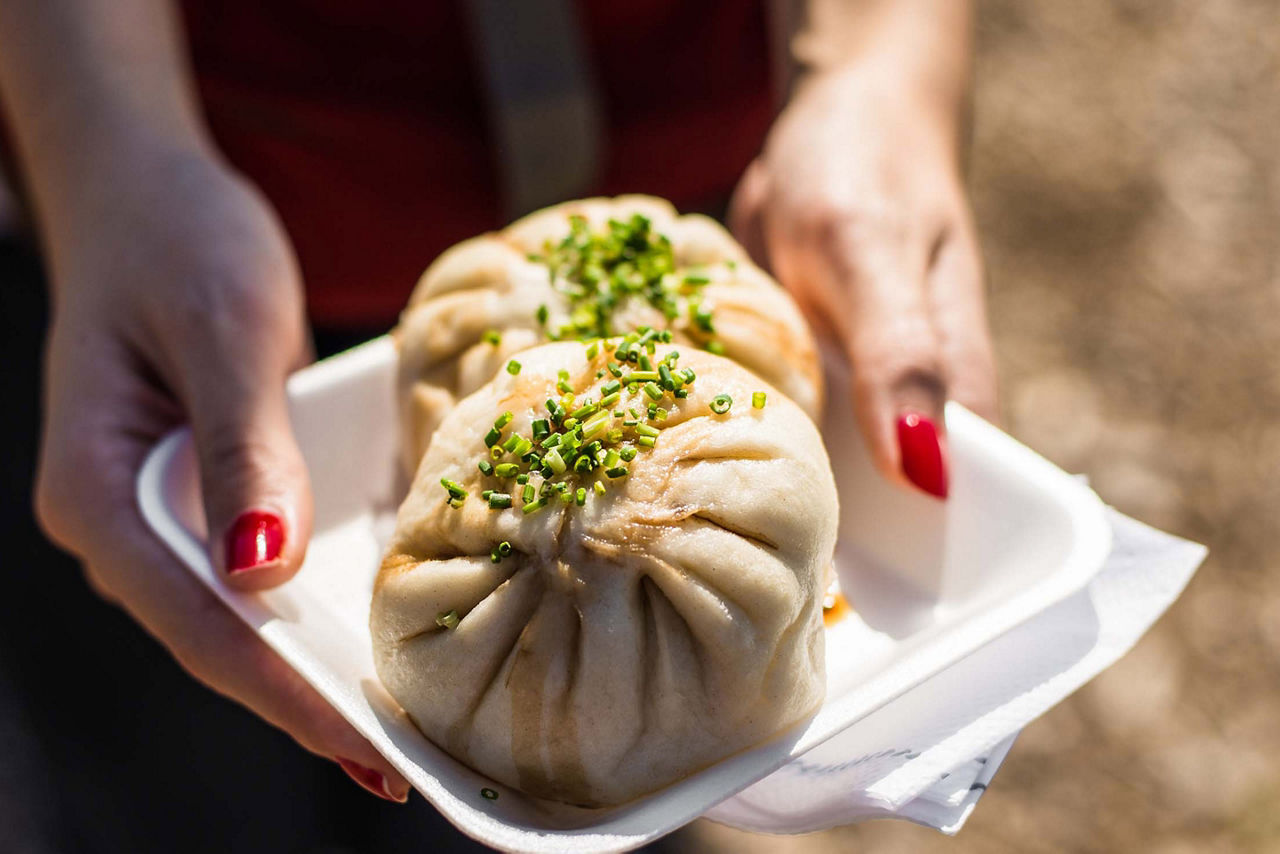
616, 639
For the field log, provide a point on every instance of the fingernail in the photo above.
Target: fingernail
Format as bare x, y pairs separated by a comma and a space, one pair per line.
369, 779
922, 460
254, 539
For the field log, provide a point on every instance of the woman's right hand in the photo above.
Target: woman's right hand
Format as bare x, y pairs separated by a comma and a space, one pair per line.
176, 298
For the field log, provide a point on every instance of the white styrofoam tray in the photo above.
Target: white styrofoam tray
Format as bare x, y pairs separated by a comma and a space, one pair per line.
930, 582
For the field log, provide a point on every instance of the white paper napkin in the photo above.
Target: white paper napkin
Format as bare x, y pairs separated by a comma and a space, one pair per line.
929, 755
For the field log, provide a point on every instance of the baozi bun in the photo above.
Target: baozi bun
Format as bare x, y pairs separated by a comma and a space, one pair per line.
556, 275
590, 644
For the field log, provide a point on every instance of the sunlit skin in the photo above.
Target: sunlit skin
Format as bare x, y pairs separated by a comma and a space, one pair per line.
177, 296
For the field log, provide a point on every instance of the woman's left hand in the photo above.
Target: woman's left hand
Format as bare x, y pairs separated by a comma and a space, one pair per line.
858, 206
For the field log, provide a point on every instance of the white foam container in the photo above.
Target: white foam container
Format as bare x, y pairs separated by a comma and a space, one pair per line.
930, 582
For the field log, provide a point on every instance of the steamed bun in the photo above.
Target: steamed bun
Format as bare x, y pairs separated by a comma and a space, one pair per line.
618, 638
494, 295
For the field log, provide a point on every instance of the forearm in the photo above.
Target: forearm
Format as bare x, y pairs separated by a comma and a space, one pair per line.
921, 46
91, 88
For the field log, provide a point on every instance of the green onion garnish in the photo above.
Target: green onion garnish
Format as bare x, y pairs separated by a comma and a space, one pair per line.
486, 467
513, 367
499, 501
757, 400
491, 438
503, 420
600, 487
491, 336
720, 404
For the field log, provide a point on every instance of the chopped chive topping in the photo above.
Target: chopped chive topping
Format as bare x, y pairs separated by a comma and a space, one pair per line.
503, 420
491, 336
504, 548
696, 279
522, 478
653, 390
533, 506
489, 794
580, 496
506, 469
592, 349
600, 487
627, 454
646, 430
541, 428
617, 472
491, 438
499, 501
647, 441
554, 461
757, 400
720, 404
614, 369
513, 367
486, 467
715, 347
542, 314
682, 393
702, 318
455, 489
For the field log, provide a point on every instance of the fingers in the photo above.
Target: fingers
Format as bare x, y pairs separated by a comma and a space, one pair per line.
101, 420
886, 324
956, 283
257, 496
222, 652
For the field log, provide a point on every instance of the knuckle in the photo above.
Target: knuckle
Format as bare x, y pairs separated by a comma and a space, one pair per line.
896, 363
228, 456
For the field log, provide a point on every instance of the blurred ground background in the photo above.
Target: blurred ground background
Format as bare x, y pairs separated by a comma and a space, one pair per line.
1126, 176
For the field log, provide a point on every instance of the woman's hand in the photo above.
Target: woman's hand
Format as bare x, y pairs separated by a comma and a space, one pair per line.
177, 298
858, 205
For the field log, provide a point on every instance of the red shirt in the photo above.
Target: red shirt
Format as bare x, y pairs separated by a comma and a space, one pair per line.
365, 124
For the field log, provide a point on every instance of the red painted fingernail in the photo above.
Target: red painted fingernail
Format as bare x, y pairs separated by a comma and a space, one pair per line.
369, 779
922, 460
254, 539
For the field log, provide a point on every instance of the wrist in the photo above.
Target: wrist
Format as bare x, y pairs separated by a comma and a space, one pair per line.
879, 91
81, 183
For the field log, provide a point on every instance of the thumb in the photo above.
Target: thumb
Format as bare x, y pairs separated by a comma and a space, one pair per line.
257, 494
